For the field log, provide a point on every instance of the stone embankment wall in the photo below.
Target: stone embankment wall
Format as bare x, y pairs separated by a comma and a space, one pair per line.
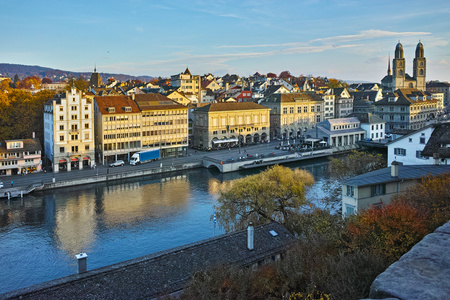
422, 273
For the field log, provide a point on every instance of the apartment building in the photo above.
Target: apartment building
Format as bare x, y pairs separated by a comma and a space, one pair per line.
227, 124
292, 114
69, 131
187, 83
164, 124
117, 128
20, 156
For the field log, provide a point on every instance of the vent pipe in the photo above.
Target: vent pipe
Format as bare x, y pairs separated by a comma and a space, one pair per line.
394, 169
250, 236
82, 262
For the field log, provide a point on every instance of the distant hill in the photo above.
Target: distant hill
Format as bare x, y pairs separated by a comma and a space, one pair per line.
56, 75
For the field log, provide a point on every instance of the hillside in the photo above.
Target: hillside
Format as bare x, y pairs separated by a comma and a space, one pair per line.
56, 75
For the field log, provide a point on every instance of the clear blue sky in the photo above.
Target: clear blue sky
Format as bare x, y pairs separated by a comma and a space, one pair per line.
349, 40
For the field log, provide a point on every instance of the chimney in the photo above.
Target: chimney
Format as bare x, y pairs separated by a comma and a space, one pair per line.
34, 135
394, 169
82, 264
250, 236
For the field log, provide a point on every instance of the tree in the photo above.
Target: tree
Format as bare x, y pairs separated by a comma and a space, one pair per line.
335, 83
355, 164
30, 82
273, 195
285, 75
46, 80
80, 83
391, 230
431, 196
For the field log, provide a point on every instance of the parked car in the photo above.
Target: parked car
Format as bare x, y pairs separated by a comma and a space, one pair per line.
117, 163
1, 185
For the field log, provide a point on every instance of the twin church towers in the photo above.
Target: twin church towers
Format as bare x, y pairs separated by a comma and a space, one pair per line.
399, 78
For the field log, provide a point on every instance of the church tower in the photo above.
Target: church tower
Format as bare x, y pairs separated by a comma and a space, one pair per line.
420, 68
96, 80
398, 76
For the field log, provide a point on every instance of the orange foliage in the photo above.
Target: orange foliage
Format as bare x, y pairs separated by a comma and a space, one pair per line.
391, 230
30, 82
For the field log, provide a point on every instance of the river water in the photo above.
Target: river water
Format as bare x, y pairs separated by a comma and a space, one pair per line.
112, 222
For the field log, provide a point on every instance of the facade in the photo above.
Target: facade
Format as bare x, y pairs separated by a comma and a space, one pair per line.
56, 86
438, 145
96, 79
399, 78
164, 124
329, 106
69, 131
378, 187
373, 125
407, 109
343, 102
20, 156
179, 97
227, 124
338, 132
294, 113
187, 83
118, 133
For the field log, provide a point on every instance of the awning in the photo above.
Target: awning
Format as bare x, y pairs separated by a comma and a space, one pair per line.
312, 140
225, 141
85, 158
322, 142
74, 159
62, 160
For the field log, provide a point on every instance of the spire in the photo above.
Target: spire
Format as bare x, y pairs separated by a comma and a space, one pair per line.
389, 65
95, 68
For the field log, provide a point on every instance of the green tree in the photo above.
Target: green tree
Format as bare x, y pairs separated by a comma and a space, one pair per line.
276, 194
356, 163
80, 83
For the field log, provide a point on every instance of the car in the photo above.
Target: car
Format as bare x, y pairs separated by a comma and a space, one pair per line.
1, 184
117, 163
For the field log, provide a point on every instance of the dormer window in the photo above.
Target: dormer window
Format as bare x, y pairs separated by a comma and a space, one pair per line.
111, 110
128, 108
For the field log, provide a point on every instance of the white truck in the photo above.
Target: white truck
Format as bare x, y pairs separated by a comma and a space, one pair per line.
145, 156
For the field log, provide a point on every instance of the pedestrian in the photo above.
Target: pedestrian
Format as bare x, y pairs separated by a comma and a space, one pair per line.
12, 183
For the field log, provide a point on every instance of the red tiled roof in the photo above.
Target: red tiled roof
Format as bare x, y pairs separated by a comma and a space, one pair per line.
154, 101
118, 102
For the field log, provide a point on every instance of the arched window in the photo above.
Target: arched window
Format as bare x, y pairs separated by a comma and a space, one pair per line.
411, 85
400, 72
421, 72
421, 63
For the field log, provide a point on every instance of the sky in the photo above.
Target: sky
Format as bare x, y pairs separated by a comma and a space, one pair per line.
349, 40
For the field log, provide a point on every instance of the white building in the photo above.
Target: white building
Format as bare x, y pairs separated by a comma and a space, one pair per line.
373, 125
69, 131
408, 148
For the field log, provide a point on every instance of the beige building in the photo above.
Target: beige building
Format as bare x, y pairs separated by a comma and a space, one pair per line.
292, 114
69, 131
224, 124
164, 124
117, 128
179, 97
187, 83
20, 156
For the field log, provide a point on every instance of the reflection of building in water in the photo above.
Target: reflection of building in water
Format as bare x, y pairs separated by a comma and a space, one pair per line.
127, 203
77, 220
75, 224
215, 186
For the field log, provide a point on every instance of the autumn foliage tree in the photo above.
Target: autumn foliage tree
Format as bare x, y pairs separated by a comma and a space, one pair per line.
273, 195
30, 82
356, 163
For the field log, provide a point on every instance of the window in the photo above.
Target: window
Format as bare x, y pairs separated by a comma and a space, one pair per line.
74, 108
299, 110
61, 118
291, 110
312, 108
410, 140
86, 136
61, 138
86, 116
318, 108
318, 118
350, 191
400, 151
419, 155
74, 117
86, 126
61, 108
61, 149
422, 140
378, 189
349, 209
284, 110
305, 109
61, 127
74, 148
74, 137
86, 147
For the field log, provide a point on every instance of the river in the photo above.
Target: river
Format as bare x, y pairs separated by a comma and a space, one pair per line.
112, 222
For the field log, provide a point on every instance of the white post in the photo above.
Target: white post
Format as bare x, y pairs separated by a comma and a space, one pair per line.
82, 262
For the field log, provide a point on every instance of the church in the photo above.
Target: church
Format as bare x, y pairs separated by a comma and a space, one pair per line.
399, 78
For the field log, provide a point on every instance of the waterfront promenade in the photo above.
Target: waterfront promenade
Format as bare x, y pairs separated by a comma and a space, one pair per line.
193, 159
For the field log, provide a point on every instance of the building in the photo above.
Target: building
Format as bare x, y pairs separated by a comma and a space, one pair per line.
438, 144
441, 87
373, 125
224, 124
187, 83
343, 102
329, 105
167, 272
55, 86
96, 79
69, 131
118, 122
407, 109
378, 187
20, 157
338, 132
408, 148
293, 113
399, 78
179, 97
164, 124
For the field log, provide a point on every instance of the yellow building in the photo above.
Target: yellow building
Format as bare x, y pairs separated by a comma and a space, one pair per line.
117, 128
69, 131
292, 114
164, 124
222, 124
187, 83
179, 97
20, 156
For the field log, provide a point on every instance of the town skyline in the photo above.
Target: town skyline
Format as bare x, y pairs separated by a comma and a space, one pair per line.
349, 41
